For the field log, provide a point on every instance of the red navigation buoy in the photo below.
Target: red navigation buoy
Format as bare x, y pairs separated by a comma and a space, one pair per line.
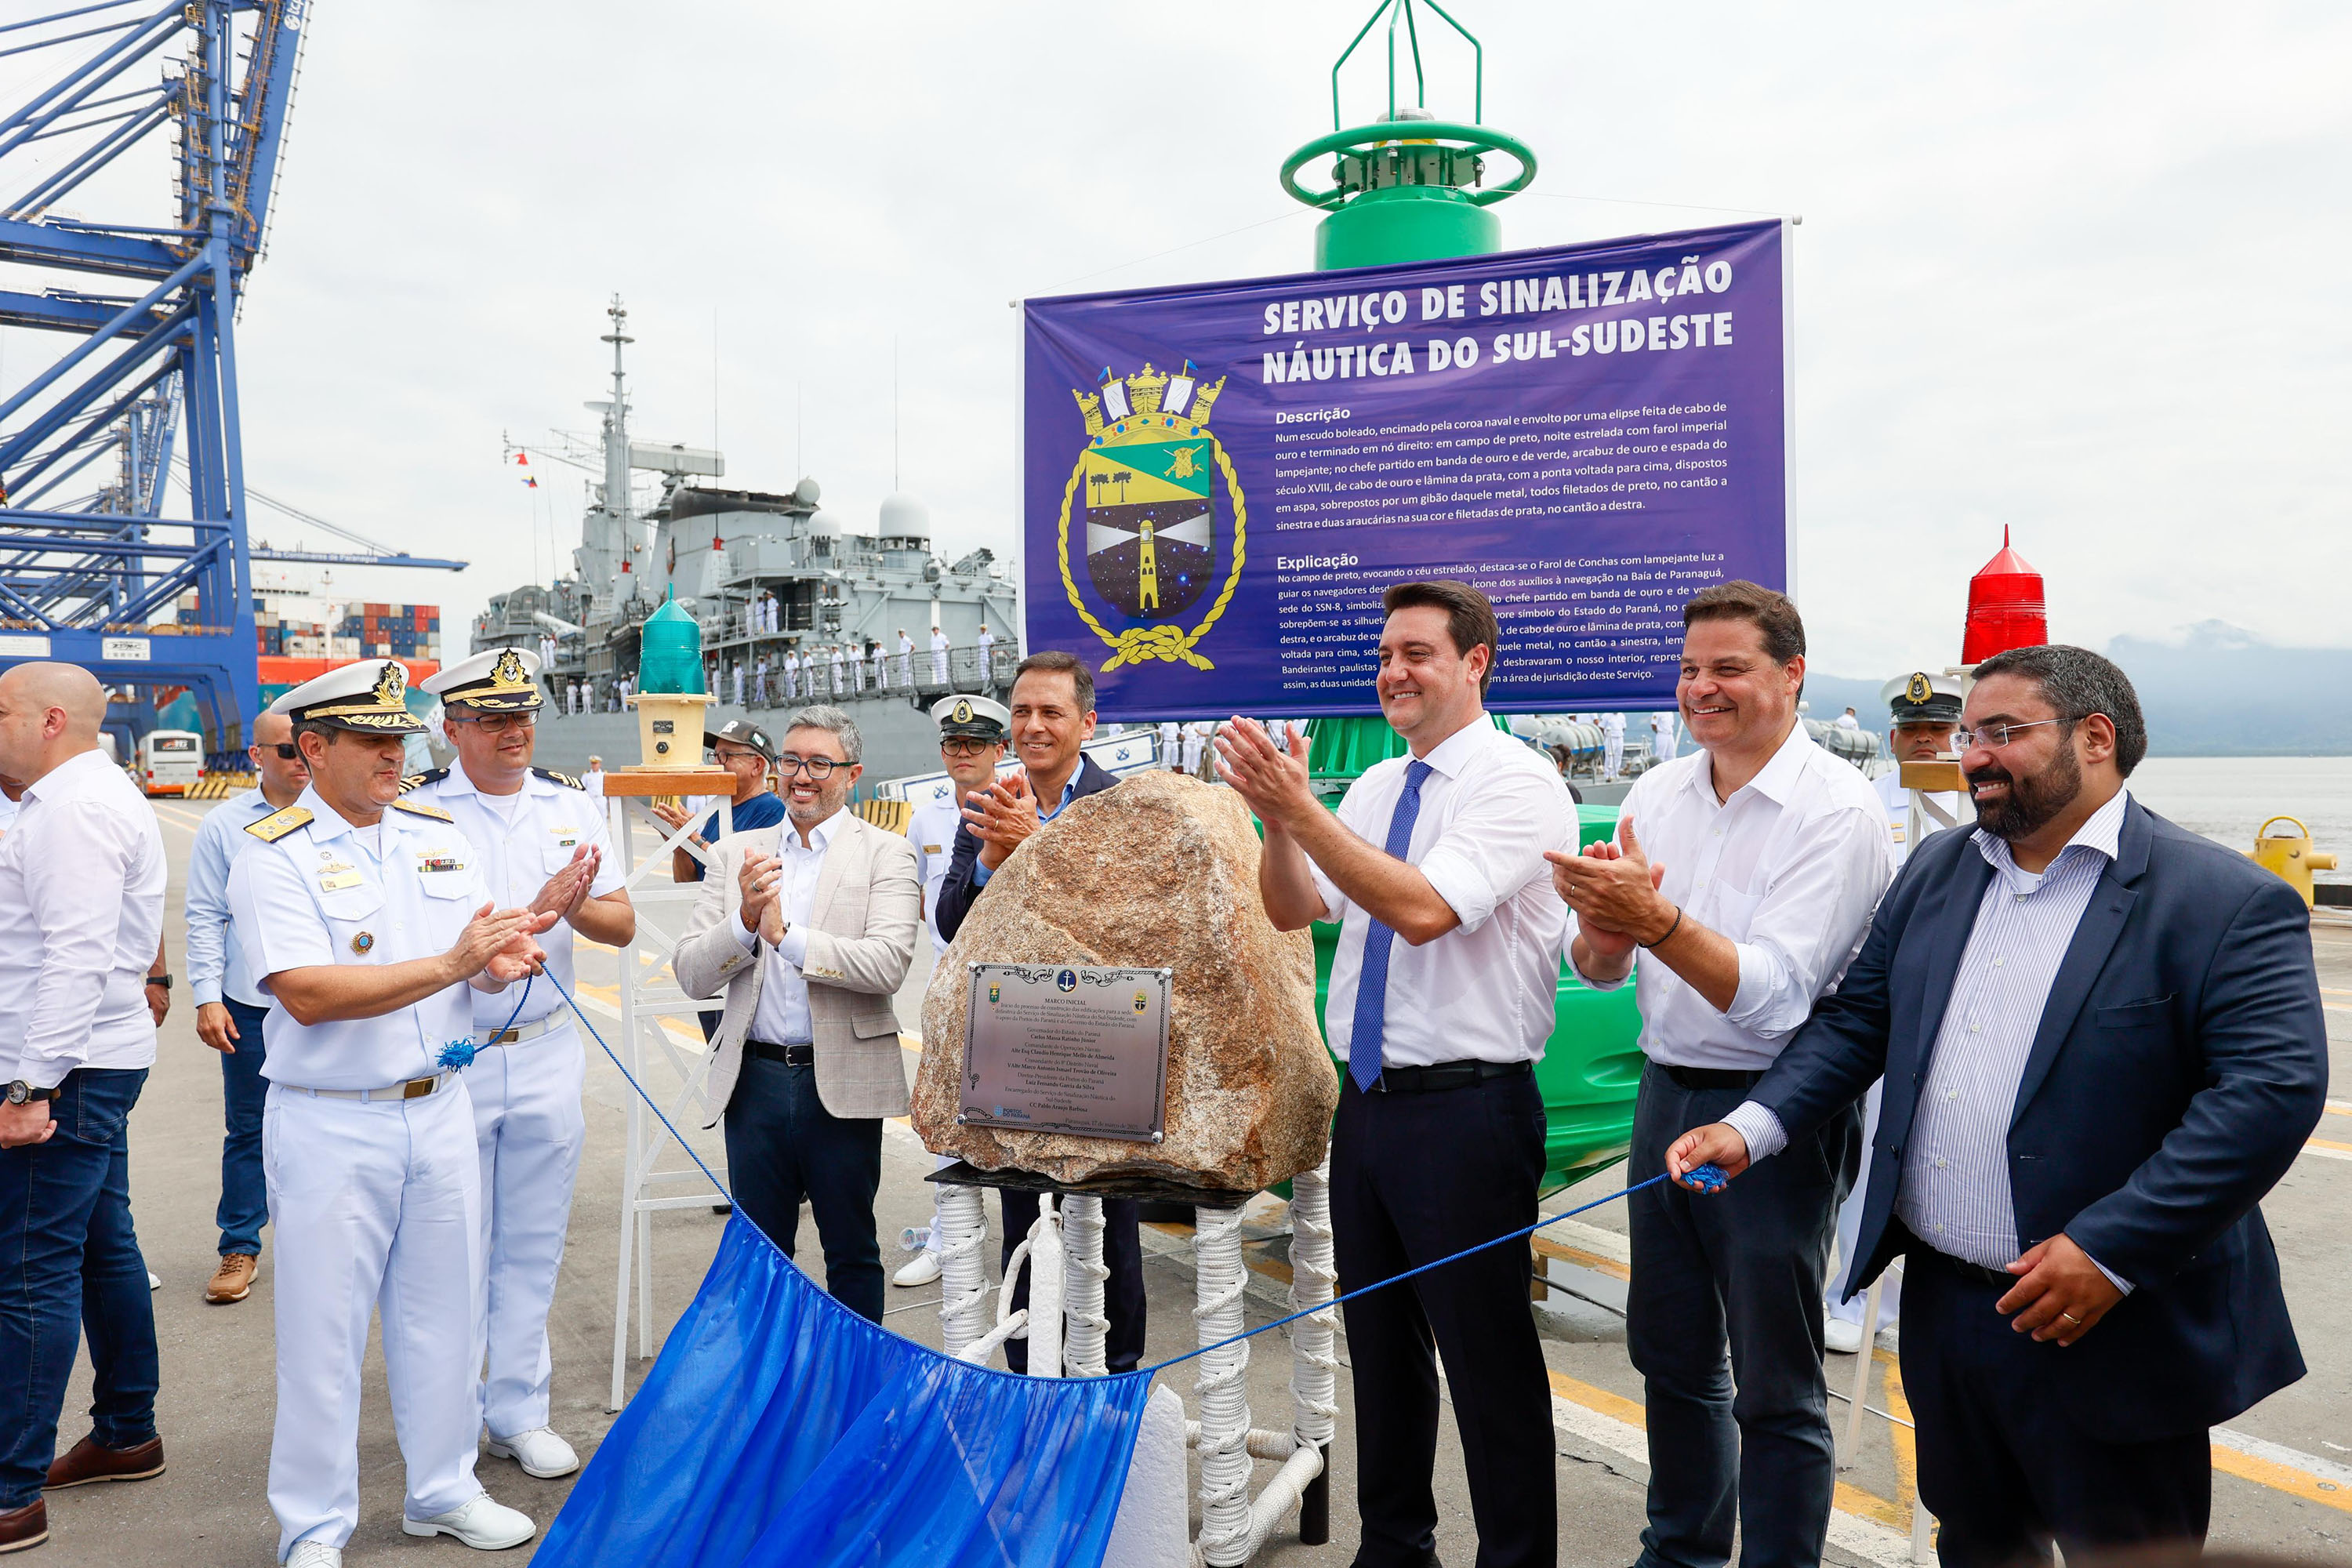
2005, 609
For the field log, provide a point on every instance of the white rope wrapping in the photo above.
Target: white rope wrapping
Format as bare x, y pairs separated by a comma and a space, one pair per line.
1221, 1390
1085, 1352
1048, 1272
1314, 1280
963, 1222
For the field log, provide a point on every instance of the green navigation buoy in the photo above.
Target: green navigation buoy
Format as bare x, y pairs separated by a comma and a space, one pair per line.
670, 658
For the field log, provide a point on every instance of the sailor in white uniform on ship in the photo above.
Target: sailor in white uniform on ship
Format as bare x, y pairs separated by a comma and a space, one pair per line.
1922, 711
541, 842
1612, 740
1171, 744
972, 732
939, 656
366, 921
1661, 737
987, 645
839, 673
906, 658
1196, 741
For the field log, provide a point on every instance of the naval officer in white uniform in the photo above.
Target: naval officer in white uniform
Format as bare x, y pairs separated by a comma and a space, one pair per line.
972, 732
1922, 711
542, 844
366, 921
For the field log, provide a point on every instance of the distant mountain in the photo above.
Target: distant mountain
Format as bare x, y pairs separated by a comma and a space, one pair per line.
2219, 692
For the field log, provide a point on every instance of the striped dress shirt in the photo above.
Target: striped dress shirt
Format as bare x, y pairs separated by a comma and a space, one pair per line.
1955, 1193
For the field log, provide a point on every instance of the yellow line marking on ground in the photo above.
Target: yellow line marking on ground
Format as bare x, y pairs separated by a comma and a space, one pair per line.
1617, 1407
2280, 1478
1907, 1443
1548, 1247
2329, 1149
2339, 1108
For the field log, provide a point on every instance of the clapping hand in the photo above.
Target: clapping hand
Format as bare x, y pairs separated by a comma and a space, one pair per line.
568, 889
1001, 817
1271, 783
1613, 890
756, 881
498, 942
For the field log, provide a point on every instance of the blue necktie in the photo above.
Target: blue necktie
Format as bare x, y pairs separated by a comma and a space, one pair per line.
1372, 982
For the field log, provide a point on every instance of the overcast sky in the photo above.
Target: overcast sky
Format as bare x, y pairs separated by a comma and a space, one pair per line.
2079, 270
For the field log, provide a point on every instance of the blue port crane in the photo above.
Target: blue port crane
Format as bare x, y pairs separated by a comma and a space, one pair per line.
149, 374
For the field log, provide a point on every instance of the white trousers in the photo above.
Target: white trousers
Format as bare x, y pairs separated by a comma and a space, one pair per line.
529, 1128
1613, 755
1665, 747
371, 1203
1849, 1232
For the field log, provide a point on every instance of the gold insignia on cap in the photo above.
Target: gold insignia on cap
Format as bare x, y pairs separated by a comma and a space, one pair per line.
963, 711
507, 671
1918, 691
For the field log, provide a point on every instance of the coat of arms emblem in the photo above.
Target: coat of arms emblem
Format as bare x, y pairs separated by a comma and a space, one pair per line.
1165, 520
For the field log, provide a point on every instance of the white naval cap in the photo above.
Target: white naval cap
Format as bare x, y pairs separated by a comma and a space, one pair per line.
1920, 697
981, 716
503, 680
369, 696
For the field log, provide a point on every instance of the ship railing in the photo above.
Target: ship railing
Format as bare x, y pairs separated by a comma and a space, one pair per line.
922, 676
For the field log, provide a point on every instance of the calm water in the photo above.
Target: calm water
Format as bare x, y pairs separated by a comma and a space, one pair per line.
2226, 798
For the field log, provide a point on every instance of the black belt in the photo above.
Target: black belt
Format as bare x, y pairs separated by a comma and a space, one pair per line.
800, 1056
1709, 1077
1445, 1075
1998, 1279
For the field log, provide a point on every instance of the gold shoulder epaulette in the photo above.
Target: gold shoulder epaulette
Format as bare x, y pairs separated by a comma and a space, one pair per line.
418, 780
279, 824
566, 779
422, 808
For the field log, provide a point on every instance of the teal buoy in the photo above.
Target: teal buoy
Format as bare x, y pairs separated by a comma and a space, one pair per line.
669, 654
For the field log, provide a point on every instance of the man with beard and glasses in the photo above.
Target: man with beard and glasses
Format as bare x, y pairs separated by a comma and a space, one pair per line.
807, 930
2102, 1042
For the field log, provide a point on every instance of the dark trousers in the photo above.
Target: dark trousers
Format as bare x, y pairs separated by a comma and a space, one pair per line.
784, 1146
2002, 1466
1737, 1271
67, 1255
1413, 1178
245, 1196
1123, 1301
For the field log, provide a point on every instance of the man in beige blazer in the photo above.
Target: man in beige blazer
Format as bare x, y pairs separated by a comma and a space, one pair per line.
809, 927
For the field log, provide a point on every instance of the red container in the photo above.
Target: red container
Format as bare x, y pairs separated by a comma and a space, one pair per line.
2005, 607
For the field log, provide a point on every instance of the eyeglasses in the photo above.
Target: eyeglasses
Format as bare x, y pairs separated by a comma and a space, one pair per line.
966, 745
817, 768
499, 723
1999, 735
288, 751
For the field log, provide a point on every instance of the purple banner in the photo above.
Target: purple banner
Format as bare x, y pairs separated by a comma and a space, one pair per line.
1219, 480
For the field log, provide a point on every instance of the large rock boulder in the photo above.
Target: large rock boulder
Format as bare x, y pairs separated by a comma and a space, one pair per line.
1161, 871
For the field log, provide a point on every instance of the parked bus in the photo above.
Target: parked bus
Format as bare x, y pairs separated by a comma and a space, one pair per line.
168, 762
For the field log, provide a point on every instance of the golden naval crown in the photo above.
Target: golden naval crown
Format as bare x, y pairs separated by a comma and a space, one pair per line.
1119, 406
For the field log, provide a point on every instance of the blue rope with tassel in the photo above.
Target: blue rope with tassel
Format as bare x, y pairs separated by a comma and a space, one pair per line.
1702, 1178
458, 1055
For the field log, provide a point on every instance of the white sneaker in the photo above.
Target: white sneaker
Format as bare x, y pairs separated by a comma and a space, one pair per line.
156, 1282
538, 1451
483, 1524
315, 1554
920, 1269
1844, 1337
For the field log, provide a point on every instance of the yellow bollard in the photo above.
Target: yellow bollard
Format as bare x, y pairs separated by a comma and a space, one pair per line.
2290, 856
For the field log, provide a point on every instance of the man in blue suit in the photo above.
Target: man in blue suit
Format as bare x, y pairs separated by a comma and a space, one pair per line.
2102, 1042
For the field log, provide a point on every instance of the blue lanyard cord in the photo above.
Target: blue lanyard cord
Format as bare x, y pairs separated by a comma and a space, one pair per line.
1393, 1279
458, 1055
1706, 1176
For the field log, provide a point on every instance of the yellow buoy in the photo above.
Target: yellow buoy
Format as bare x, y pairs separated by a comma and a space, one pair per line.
2290, 856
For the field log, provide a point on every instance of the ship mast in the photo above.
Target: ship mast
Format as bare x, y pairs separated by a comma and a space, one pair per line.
607, 544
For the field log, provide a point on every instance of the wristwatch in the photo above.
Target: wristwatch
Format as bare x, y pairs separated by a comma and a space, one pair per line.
19, 1092
164, 980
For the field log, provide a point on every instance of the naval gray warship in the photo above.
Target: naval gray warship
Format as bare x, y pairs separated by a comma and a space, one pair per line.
767, 576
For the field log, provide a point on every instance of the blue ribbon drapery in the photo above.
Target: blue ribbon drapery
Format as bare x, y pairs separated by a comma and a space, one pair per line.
779, 1427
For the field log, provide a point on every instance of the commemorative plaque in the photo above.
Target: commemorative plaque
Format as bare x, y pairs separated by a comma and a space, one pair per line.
1066, 1048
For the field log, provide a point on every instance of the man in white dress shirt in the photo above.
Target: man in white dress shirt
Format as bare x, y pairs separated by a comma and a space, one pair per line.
1441, 1000
1738, 890
367, 921
230, 1008
972, 732
543, 845
82, 918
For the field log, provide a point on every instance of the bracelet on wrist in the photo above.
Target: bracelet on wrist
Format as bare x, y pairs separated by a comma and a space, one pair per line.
1669, 931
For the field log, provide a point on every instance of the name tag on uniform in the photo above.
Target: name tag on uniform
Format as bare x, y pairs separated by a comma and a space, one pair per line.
334, 881
930, 848
565, 837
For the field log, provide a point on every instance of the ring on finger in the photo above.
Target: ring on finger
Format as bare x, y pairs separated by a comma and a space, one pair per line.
2070, 1318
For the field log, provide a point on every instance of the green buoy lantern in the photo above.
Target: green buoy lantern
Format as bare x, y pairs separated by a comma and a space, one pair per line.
669, 699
